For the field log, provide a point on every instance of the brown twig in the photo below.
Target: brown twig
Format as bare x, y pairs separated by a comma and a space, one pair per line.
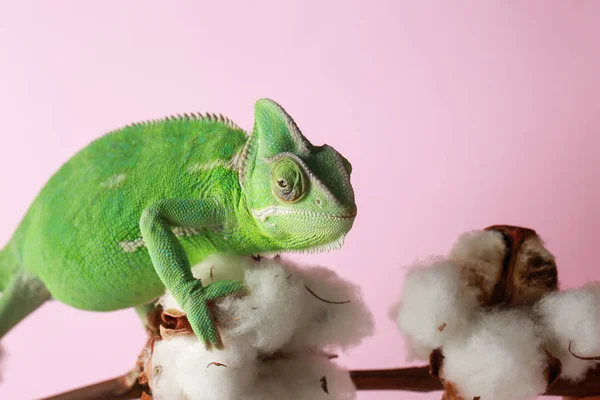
414, 379
417, 379
121, 388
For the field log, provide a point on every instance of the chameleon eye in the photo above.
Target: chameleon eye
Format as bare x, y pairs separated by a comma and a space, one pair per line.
289, 180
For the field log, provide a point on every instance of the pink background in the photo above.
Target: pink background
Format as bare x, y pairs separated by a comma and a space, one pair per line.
455, 115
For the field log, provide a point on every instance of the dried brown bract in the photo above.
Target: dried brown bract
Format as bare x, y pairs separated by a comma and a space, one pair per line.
174, 323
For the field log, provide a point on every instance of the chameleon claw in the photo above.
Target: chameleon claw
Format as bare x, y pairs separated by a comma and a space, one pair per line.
200, 314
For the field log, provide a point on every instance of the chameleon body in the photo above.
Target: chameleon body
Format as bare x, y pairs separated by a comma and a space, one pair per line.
127, 215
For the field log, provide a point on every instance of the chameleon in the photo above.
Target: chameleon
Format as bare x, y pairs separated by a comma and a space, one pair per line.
126, 216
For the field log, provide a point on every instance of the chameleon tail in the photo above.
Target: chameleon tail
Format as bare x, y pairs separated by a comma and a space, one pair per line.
8, 266
22, 293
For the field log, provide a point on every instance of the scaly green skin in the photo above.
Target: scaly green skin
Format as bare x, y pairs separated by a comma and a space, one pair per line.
126, 216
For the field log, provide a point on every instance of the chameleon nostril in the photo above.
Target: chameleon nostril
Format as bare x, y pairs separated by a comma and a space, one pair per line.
318, 202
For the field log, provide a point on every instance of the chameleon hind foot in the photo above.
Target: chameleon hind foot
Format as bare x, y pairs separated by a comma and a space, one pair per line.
199, 309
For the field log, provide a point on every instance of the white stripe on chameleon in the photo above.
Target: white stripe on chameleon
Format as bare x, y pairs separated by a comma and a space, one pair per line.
266, 212
231, 164
183, 231
113, 181
130, 246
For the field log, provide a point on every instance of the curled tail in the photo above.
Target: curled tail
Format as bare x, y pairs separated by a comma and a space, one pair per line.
22, 293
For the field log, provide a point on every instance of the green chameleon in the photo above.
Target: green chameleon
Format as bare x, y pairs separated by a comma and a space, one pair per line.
127, 216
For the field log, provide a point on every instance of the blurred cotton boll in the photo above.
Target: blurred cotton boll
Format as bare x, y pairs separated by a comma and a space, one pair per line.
572, 319
436, 304
500, 357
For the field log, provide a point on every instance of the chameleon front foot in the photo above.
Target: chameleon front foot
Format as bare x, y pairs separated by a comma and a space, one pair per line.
199, 309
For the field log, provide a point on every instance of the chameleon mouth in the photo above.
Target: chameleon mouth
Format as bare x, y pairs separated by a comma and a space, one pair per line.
267, 212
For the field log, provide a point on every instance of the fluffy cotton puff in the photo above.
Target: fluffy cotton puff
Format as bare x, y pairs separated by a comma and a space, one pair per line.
333, 313
267, 388
216, 267
269, 314
181, 368
479, 245
572, 316
163, 380
319, 374
218, 375
303, 377
501, 358
280, 309
279, 318
480, 254
435, 305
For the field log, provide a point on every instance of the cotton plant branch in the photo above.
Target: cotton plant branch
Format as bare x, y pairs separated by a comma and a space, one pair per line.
121, 388
492, 322
418, 379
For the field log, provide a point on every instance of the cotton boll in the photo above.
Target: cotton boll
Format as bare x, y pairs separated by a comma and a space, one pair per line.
501, 358
573, 316
480, 254
573, 369
435, 305
316, 378
163, 372
181, 368
267, 388
217, 375
308, 377
333, 313
279, 318
269, 314
479, 245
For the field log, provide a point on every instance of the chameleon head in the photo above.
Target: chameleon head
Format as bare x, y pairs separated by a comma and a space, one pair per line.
299, 195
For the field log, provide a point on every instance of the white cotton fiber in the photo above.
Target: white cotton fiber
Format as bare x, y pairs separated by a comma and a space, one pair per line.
573, 316
303, 377
333, 313
436, 304
269, 314
500, 358
479, 246
163, 372
274, 337
217, 375
182, 368
216, 267
480, 254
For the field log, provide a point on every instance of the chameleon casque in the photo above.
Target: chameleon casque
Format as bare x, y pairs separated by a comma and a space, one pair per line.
127, 215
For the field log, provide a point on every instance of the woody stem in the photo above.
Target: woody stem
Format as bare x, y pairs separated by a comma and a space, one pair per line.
414, 379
